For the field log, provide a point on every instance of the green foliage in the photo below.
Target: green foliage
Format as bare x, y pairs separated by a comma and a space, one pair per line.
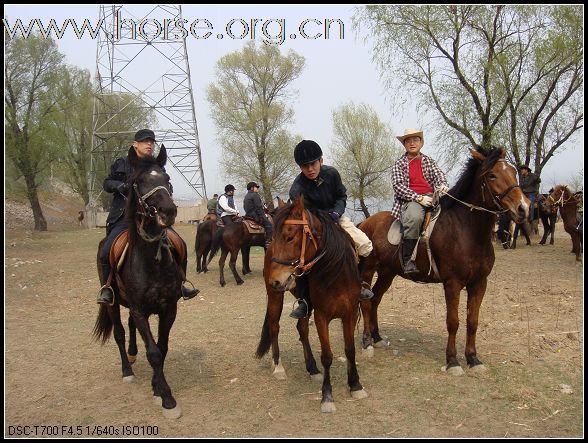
249, 107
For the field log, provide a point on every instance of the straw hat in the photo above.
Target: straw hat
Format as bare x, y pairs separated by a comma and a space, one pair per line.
411, 132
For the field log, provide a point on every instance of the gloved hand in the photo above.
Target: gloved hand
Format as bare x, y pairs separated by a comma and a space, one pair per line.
443, 189
335, 216
425, 200
123, 188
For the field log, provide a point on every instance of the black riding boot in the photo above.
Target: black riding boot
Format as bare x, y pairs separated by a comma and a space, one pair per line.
408, 245
106, 295
189, 293
366, 291
304, 308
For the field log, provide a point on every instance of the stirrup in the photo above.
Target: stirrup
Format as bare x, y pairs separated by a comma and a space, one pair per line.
410, 268
187, 293
366, 292
301, 310
105, 301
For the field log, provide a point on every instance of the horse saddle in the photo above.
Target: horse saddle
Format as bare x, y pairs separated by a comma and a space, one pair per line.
121, 244
253, 227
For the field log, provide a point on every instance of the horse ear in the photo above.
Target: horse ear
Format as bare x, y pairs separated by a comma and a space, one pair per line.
298, 205
477, 155
162, 157
132, 154
502, 153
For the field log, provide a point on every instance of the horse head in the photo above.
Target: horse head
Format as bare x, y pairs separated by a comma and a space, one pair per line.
560, 195
498, 179
151, 192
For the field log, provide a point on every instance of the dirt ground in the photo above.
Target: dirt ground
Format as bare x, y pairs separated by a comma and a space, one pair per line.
60, 383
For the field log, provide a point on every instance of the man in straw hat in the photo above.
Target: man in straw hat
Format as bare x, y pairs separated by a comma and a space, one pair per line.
414, 177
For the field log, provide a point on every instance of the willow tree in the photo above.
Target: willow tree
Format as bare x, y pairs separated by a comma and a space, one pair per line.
249, 105
494, 74
364, 152
32, 68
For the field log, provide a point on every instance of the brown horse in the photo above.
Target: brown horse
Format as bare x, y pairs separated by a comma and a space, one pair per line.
461, 246
563, 198
149, 280
204, 235
312, 244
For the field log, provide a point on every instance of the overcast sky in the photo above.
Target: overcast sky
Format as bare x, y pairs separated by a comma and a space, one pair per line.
337, 70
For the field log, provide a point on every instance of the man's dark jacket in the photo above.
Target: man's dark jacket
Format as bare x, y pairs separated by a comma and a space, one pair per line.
253, 206
327, 192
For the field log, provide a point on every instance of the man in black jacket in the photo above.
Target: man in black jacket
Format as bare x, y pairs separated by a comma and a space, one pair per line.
323, 189
529, 183
255, 210
116, 183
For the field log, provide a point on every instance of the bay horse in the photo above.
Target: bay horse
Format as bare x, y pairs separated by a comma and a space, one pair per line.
149, 280
561, 197
312, 244
232, 239
460, 244
548, 216
202, 245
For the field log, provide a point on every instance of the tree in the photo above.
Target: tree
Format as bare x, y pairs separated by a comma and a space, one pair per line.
364, 152
248, 106
32, 68
496, 74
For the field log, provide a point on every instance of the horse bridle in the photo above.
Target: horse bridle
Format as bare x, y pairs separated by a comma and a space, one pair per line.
145, 209
560, 201
307, 237
496, 198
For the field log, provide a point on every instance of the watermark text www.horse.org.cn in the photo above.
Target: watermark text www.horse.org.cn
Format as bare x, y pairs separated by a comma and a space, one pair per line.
273, 31
82, 431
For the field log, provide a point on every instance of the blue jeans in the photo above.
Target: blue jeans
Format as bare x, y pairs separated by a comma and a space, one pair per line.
532, 197
111, 232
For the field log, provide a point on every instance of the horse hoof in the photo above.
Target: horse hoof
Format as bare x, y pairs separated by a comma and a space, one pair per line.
479, 368
157, 400
129, 379
358, 395
240, 282
368, 352
384, 343
454, 370
222, 284
174, 413
318, 377
132, 358
279, 373
328, 406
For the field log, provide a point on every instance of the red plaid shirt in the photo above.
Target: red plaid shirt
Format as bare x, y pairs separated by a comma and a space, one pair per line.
400, 180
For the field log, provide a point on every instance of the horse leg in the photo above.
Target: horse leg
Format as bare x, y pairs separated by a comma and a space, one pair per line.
233, 266
322, 327
205, 259
552, 228
382, 284
452, 290
119, 337
132, 349
546, 229
271, 330
515, 235
302, 327
476, 293
355, 387
245, 250
221, 266
526, 232
161, 390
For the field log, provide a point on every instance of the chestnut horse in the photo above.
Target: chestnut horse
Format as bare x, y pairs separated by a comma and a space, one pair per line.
563, 198
312, 244
461, 246
149, 280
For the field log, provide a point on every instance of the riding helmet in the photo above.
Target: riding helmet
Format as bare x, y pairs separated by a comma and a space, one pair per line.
229, 188
252, 185
307, 151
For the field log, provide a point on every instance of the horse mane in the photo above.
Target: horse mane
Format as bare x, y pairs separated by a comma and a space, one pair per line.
334, 241
468, 175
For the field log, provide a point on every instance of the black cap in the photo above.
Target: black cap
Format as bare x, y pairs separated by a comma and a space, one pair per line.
307, 151
143, 134
229, 188
252, 185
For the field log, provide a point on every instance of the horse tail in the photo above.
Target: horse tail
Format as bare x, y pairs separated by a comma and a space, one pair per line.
265, 340
217, 242
103, 326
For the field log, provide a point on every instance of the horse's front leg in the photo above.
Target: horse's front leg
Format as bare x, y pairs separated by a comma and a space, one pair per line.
452, 290
161, 390
221, 266
382, 284
302, 327
233, 266
132, 349
355, 386
119, 338
245, 250
322, 327
476, 293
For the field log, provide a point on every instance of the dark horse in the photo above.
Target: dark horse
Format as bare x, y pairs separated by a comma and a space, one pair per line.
204, 235
150, 280
561, 197
308, 243
548, 216
461, 246
234, 238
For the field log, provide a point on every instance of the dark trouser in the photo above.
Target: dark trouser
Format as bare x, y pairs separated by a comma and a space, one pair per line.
112, 232
227, 219
302, 290
532, 197
268, 229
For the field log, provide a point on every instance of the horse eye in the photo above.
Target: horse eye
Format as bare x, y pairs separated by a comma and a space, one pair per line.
492, 176
289, 239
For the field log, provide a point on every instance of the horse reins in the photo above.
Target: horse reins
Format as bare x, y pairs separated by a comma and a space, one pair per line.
307, 237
